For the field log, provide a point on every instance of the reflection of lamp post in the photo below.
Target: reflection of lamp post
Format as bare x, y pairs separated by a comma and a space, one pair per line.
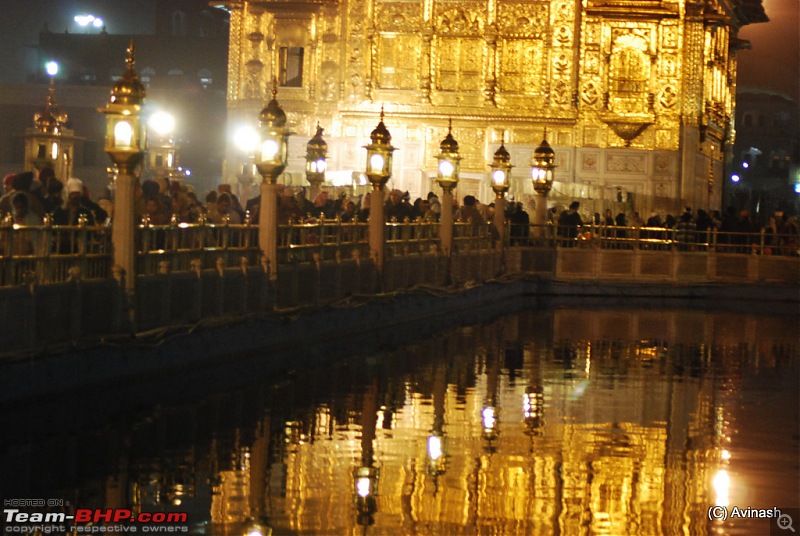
436, 440
270, 162
542, 166
125, 145
449, 163
500, 177
489, 412
366, 476
379, 169
316, 164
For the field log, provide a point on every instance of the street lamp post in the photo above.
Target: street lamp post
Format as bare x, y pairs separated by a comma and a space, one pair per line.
449, 163
379, 169
270, 162
542, 167
500, 177
125, 145
161, 148
316, 163
50, 143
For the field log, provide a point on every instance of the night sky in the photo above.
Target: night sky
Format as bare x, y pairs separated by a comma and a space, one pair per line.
773, 63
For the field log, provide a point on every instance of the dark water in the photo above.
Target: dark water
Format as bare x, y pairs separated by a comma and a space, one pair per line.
564, 421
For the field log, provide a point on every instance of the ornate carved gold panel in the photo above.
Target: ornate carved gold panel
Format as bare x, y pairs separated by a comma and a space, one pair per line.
398, 64
522, 66
629, 74
459, 63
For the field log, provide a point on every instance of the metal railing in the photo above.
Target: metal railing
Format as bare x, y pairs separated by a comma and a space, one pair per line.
50, 254
655, 239
411, 237
174, 247
53, 253
469, 236
320, 239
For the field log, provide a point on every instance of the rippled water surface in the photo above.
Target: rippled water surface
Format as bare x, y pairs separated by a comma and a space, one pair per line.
564, 421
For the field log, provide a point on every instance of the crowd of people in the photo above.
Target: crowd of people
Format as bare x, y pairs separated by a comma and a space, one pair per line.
33, 199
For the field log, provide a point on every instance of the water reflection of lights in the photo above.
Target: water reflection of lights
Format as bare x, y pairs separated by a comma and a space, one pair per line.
253, 528
436, 455
722, 485
579, 390
533, 409
366, 481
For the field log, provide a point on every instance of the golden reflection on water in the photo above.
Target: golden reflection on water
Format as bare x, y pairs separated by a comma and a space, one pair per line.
575, 437
562, 422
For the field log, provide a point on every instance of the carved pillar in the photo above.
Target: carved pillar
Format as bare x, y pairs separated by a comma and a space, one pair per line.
490, 65
693, 70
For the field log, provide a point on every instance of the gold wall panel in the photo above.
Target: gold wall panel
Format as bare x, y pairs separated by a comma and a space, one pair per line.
649, 75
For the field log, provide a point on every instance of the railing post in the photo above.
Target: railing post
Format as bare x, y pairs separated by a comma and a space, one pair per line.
377, 226
123, 229
268, 226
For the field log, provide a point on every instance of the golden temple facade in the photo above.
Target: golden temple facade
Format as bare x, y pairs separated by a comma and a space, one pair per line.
636, 96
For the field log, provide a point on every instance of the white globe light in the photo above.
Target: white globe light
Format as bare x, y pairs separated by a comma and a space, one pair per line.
446, 168
499, 176
376, 163
123, 135
52, 68
97, 23
246, 139
269, 149
162, 122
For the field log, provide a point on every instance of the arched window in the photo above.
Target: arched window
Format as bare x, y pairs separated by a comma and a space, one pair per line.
147, 75
629, 74
205, 77
178, 23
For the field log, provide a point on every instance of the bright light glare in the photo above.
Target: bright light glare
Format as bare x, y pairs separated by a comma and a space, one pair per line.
434, 447
246, 139
446, 168
735, 178
86, 20
319, 165
488, 417
52, 68
797, 187
745, 165
722, 484
362, 487
376, 163
54, 151
123, 135
162, 122
269, 149
499, 176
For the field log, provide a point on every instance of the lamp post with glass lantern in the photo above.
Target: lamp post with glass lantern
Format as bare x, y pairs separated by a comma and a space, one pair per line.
50, 143
379, 169
161, 148
447, 178
125, 145
316, 163
270, 162
500, 176
542, 166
